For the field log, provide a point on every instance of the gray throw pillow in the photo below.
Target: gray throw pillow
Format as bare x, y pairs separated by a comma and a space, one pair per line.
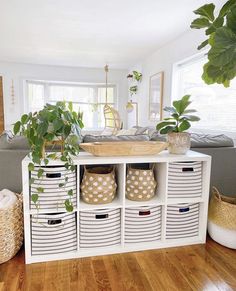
7, 142
95, 138
210, 141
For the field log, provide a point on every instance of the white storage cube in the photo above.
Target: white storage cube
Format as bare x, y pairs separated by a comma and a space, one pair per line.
182, 221
53, 233
185, 180
54, 196
100, 228
143, 224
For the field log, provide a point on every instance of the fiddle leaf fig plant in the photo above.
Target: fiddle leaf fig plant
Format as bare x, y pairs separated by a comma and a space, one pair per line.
180, 117
54, 124
221, 37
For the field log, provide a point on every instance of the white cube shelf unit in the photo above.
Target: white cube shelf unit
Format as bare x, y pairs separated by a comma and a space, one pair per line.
176, 216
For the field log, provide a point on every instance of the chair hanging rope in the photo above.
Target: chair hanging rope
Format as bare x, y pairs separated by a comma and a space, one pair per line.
111, 115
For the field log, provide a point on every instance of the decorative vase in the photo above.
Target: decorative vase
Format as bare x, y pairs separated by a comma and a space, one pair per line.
179, 142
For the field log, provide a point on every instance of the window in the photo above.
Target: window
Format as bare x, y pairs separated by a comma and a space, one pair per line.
88, 98
216, 105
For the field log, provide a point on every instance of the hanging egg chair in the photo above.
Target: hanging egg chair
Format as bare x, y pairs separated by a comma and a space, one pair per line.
111, 115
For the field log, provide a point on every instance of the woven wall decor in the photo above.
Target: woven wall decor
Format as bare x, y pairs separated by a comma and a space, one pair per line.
98, 185
140, 184
11, 230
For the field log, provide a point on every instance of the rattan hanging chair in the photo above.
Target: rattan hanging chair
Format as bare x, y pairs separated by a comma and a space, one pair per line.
113, 122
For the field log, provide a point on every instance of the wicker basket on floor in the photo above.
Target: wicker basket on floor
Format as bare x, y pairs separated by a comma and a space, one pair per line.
140, 184
98, 185
11, 230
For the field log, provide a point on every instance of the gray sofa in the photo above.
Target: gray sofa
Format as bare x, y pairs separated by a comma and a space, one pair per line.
220, 147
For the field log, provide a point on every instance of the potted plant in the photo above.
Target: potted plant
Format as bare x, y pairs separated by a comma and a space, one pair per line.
133, 90
176, 125
53, 125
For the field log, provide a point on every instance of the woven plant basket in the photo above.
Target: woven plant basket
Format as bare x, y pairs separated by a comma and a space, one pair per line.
98, 185
222, 210
11, 230
140, 184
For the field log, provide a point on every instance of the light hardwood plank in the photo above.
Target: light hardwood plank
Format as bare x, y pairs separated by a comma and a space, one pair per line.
200, 267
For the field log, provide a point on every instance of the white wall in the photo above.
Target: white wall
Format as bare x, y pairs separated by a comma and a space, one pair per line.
163, 60
19, 72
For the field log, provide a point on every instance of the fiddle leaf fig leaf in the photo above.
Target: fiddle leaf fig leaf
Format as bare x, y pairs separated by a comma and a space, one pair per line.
184, 126
200, 23
206, 11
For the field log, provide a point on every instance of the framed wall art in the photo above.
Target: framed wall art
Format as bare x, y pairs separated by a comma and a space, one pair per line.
156, 96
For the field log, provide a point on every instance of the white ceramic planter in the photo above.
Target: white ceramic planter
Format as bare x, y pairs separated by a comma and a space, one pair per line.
179, 142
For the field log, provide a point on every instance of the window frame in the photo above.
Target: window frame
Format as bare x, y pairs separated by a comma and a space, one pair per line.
47, 99
176, 91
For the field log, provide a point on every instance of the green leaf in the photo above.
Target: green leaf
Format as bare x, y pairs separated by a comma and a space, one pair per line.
70, 192
184, 126
167, 129
191, 117
49, 136
182, 104
200, 23
164, 124
206, 11
30, 167
24, 118
68, 205
231, 19
40, 173
40, 189
52, 156
66, 131
70, 106
170, 109
34, 198
42, 128
189, 111
226, 7
58, 124
31, 181
61, 185
16, 127
80, 123
46, 161
203, 44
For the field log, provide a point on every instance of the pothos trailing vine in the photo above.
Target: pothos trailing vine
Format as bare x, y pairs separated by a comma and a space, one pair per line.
54, 124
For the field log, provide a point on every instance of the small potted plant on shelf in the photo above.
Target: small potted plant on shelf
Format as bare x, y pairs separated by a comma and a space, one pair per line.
176, 125
52, 126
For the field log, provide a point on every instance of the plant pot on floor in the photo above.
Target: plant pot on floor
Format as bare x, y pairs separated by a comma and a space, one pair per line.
179, 142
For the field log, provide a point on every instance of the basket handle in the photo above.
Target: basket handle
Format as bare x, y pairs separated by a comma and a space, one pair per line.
216, 193
152, 167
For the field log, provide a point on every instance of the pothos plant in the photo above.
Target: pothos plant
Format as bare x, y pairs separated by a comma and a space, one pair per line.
54, 124
220, 30
180, 119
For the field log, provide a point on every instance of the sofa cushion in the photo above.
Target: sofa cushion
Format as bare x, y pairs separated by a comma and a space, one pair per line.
210, 141
10, 142
95, 138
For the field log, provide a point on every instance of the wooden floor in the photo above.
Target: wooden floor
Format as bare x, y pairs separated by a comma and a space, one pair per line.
200, 267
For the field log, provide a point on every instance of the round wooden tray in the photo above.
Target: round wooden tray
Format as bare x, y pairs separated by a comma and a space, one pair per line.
124, 148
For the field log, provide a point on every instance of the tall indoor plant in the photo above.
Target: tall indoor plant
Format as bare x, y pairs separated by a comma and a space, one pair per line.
54, 124
220, 30
176, 125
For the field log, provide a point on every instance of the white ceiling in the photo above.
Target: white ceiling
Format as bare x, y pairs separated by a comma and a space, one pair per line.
89, 33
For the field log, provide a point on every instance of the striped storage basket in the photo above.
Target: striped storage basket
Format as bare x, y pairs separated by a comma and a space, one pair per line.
185, 180
143, 224
54, 196
53, 233
100, 228
182, 221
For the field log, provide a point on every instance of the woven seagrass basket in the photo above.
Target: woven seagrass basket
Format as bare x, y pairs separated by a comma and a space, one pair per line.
98, 185
11, 230
140, 184
222, 210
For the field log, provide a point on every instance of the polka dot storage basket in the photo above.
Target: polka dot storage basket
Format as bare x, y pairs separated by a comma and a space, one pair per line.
98, 185
140, 183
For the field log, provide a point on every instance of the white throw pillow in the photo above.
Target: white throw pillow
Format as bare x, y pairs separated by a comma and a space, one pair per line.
131, 131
